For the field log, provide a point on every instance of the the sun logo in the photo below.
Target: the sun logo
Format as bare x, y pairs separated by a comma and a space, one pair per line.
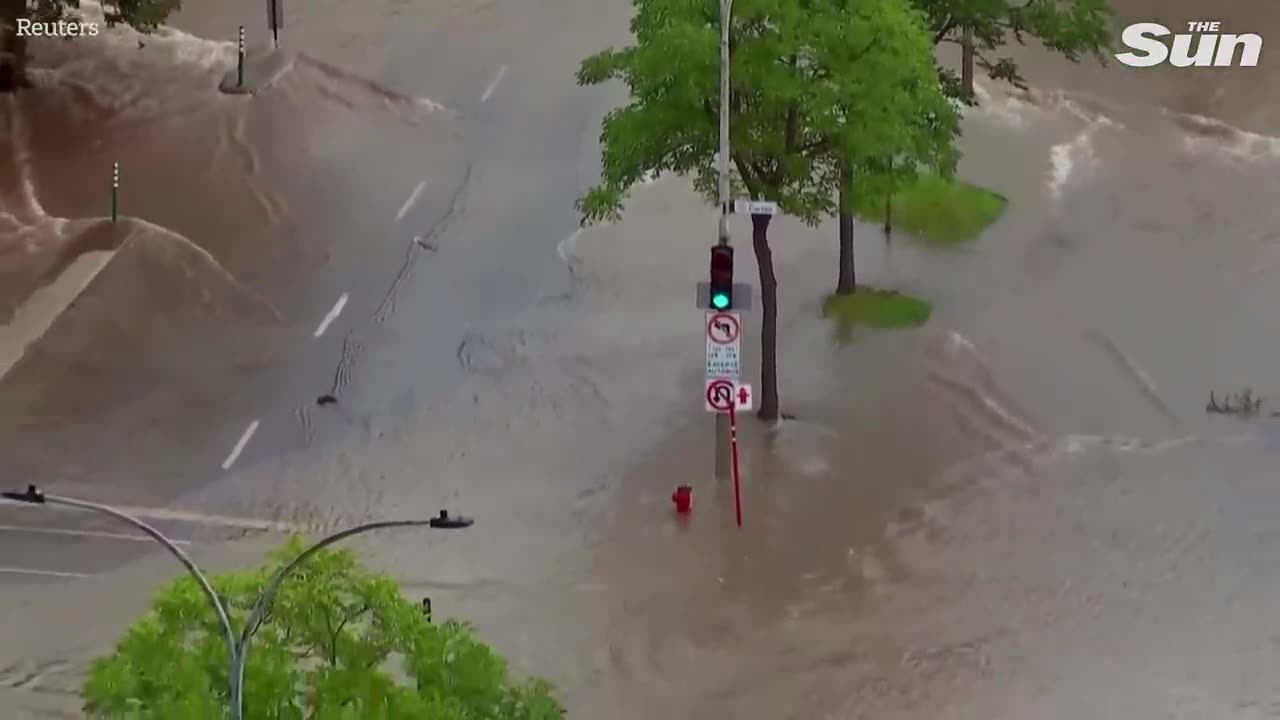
1211, 49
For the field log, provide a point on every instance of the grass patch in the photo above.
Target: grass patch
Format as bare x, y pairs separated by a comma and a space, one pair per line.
883, 309
935, 209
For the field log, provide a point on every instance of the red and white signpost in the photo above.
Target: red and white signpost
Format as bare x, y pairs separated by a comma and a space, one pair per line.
737, 477
723, 395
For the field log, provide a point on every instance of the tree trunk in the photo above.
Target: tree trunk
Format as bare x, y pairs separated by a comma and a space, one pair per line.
13, 48
847, 281
966, 61
769, 312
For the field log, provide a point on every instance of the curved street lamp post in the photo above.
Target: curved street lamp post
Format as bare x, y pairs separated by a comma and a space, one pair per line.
237, 648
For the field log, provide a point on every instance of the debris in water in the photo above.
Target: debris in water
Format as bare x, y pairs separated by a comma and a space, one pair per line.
1244, 403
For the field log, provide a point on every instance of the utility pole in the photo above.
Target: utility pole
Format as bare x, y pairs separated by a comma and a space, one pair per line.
726, 12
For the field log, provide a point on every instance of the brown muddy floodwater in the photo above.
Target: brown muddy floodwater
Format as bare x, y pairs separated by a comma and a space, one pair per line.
224, 242
1019, 511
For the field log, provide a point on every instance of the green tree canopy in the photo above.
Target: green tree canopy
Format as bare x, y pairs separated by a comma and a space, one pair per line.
340, 643
815, 84
890, 120
1073, 28
893, 121
142, 15
810, 79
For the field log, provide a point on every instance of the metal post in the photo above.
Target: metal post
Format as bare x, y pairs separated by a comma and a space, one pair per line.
737, 476
275, 13
115, 191
240, 61
34, 496
726, 13
263, 603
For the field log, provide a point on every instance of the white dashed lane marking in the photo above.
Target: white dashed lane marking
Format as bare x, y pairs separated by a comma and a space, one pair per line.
333, 315
413, 198
488, 92
239, 448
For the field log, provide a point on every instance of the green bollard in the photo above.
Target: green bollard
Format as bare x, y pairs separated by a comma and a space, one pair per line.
115, 191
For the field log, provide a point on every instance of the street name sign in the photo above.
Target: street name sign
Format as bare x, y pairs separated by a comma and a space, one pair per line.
755, 207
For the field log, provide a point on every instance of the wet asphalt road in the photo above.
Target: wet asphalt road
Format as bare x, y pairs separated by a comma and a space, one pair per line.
365, 311
1099, 548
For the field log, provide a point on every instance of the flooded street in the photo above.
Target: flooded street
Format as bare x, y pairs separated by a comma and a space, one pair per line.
1020, 510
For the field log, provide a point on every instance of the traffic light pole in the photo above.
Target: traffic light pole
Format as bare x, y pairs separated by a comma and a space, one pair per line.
726, 10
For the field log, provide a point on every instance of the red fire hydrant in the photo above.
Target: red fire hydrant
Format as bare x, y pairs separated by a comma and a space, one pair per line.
683, 498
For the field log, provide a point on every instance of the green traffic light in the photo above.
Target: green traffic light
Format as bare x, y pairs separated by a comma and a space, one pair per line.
720, 301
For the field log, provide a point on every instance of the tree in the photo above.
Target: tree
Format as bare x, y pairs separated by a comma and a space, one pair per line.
340, 643
893, 121
793, 64
1072, 28
143, 15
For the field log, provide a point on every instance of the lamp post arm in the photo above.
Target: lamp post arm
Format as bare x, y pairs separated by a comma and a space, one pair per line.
224, 618
268, 593
273, 586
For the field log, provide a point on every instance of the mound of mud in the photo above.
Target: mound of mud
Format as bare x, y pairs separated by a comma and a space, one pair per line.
157, 307
161, 329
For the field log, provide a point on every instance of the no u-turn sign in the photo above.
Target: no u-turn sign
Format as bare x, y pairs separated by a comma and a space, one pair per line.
720, 394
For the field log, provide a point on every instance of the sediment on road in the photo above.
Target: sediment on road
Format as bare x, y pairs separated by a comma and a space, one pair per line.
962, 516
41, 283
156, 306
567, 442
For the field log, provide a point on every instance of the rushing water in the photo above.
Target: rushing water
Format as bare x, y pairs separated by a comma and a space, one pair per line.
229, 233
1021, 510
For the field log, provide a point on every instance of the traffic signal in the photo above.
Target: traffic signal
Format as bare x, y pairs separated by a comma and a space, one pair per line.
721, 277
